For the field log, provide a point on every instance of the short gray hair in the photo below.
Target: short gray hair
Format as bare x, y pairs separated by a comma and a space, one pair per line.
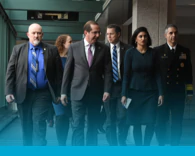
170, 26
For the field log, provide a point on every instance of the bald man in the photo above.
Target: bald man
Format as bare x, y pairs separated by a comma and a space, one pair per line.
33, 80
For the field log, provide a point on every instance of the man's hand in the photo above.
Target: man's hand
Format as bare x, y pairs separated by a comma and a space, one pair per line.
123, 100
64, 99
58, 100
10, 98
160, 100
106, 96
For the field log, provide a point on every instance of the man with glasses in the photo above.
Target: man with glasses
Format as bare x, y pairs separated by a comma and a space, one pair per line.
87, 75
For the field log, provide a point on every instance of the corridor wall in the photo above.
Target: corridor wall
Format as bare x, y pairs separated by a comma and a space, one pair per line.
7, 41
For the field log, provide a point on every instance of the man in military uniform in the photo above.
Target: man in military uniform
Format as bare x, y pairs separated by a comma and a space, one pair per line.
176, 70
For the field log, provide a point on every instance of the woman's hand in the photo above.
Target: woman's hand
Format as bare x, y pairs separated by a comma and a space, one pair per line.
160, 100
123, 100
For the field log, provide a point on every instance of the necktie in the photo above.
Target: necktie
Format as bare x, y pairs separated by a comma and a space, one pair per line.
90, 56
34, 69
173, 50
114, 65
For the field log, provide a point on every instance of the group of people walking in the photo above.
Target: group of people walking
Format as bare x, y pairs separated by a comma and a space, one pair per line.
81, 77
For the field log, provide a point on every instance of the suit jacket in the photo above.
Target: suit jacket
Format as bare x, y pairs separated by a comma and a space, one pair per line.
141, 71
78, 75
176, 67
117, 87
17, 74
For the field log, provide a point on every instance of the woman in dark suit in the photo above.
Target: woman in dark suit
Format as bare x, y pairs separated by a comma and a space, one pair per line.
142, 83
62, 112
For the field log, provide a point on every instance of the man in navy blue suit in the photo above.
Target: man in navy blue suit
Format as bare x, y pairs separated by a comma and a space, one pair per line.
115, 111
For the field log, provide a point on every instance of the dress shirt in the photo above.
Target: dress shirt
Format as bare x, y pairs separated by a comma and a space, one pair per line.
41, 76
118, 56
86, 44
172, 47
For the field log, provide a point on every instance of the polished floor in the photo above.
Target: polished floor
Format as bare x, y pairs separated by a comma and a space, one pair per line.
11, 135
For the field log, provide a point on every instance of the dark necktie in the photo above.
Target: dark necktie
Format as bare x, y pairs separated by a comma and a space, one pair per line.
34, 69
173, 50
90, 56
115, 65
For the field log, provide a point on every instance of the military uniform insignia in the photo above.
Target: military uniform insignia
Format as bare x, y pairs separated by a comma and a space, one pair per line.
183, 56
164, 56
182, 65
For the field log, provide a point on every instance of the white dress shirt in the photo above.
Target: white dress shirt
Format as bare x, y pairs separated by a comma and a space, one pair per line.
118, 56
86, 44
172, 47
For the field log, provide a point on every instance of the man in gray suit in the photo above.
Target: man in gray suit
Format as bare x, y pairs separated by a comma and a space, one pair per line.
115, 111
88, 73
33, 78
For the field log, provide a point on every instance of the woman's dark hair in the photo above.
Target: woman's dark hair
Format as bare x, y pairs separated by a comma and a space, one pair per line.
136, 32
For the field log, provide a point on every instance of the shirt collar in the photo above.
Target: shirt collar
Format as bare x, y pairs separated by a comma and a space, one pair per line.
171, 47
86, 43
117, 45
32, 46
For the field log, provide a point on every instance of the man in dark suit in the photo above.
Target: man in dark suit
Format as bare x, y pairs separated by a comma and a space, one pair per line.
115, 111
88, 72
176, 71
33, 78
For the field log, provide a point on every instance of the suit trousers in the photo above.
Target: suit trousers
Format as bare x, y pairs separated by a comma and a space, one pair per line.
62, 128
116, 118
90, 105
33, 112
173, 109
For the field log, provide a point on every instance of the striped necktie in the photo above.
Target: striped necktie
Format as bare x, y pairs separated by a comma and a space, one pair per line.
34, 69
115, 65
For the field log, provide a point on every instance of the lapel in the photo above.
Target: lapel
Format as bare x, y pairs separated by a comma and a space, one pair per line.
178, 51
122, 52
97, 51
170, 55
25, 54
83, 54
45, 55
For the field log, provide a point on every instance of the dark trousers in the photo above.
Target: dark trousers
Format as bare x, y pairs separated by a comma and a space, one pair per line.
172, 108
62, 127
116, 118
33, 113
102, 118
51, 113
148, 134
90, 106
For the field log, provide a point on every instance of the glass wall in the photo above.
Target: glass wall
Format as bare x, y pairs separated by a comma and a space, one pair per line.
7, 41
